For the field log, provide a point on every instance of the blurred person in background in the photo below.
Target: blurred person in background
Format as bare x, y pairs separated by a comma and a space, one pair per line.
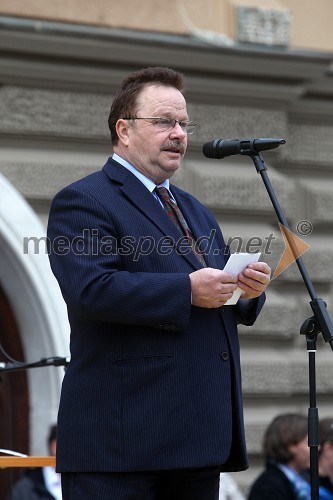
287, 456
42, 483
325, 459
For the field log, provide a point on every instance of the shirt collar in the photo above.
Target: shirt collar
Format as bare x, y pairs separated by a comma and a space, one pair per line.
150, 185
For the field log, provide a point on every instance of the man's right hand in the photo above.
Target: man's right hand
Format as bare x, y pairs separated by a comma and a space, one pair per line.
211, 288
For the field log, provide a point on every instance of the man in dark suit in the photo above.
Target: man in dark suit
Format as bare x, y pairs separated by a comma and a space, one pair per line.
151, 404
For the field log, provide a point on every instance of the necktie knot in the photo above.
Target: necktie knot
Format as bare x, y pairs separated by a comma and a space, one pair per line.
164, 195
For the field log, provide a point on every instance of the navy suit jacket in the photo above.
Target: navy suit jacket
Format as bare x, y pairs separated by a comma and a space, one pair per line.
153, 383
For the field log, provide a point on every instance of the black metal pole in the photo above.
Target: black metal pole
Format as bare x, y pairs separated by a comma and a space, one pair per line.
313, 418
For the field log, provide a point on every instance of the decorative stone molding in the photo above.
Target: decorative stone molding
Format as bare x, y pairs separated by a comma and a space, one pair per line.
230, 185
308, 143
228, 122
272, 323
319, 263
254, 435
318, 201
60, 113
41, 181
262, 25
284, 378
53, 112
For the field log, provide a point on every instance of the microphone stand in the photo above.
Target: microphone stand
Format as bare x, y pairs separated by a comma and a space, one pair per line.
16, 365
13, 365
320, 322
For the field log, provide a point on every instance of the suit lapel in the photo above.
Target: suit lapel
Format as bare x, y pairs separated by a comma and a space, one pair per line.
145, 201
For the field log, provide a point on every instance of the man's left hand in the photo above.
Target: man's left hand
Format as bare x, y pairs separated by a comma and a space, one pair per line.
254, 280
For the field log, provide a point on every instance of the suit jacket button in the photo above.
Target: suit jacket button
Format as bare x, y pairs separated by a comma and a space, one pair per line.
167, 326
225, 356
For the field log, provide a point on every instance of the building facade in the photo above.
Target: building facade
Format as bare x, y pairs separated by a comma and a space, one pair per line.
253, 69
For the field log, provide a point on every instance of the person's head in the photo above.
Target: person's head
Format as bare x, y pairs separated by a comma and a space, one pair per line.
144, 121
286, 441
326, 447
52, 440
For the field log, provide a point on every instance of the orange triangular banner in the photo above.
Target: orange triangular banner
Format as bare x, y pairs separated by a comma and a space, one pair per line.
295, 247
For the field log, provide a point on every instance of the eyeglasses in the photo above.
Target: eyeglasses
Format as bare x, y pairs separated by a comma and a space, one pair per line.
167, 123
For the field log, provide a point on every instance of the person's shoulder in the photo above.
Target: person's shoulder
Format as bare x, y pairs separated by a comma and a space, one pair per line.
271, 483
97, 182
84, 182
91, 185
27, 486
326, 483
23, 487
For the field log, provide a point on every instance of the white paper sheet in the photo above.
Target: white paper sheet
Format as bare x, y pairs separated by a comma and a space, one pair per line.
236, 264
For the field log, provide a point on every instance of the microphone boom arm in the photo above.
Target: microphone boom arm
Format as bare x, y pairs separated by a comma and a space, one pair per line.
53, 361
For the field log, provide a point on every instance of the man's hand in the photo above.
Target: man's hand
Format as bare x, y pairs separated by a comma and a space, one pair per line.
211, 288
254, 280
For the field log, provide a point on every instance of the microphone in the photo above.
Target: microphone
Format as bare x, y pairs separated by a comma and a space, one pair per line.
220, 148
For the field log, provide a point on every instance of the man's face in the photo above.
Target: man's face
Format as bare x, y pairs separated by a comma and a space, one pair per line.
301, 453
157, 153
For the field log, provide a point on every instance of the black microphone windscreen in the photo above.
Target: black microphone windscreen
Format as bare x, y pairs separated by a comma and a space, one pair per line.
220, 148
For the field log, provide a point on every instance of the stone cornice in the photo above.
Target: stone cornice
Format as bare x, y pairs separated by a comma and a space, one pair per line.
90, 56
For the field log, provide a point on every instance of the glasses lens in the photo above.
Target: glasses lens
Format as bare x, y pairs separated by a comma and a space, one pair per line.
169, 123
190, 127
165, 123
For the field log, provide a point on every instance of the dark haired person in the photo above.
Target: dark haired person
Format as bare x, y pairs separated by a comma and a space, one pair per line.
41, 483
287, 455
151, 404
325, 459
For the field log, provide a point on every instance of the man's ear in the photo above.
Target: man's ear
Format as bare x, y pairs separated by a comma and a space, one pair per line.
122, 128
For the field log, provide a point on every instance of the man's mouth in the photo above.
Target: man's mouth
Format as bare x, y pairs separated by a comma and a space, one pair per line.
177, 149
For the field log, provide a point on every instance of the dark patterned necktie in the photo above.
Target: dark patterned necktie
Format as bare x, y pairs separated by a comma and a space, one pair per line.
173, 211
